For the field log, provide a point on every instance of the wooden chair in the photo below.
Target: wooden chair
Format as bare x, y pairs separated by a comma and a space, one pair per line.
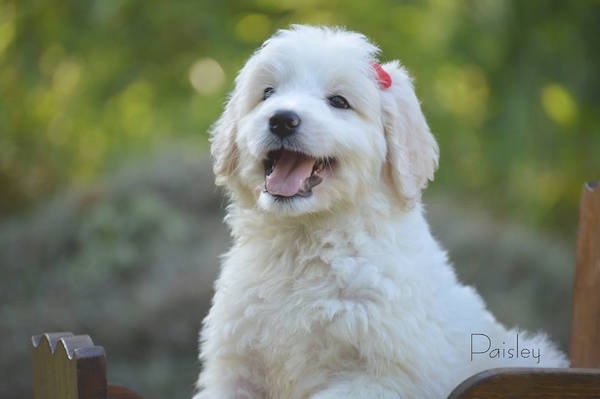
71, 367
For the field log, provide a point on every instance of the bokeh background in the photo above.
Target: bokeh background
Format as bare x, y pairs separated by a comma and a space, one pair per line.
109, 220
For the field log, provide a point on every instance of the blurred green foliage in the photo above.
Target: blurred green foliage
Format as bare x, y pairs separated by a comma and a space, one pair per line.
510, 87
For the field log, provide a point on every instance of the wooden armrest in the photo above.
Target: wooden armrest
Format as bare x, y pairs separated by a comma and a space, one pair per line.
530, 383
70, 366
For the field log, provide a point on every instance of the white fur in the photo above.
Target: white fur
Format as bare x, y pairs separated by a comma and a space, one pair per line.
344, 294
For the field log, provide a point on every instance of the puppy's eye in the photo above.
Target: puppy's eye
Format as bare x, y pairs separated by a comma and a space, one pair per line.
268, 92
338, 102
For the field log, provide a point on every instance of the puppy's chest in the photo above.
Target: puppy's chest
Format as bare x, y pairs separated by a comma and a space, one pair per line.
301, 303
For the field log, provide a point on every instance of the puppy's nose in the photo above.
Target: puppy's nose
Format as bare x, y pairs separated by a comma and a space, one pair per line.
284, 123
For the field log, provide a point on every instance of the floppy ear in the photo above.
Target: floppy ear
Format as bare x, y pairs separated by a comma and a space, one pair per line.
223, 148
412, 152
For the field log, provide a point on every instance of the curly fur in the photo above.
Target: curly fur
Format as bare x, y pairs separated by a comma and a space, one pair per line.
344, 293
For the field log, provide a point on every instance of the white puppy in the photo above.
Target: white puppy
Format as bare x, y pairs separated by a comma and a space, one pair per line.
334, 286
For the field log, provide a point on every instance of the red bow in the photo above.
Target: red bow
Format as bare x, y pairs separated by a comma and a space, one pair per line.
383, 78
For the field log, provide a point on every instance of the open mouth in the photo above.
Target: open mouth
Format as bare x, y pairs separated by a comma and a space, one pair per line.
290, 174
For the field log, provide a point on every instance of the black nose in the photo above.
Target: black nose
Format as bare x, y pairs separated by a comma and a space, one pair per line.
284, 123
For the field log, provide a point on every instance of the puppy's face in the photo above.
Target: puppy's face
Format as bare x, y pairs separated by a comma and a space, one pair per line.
309, 126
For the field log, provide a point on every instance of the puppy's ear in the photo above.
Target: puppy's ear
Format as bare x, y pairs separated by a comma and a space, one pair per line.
223, 148
412, 152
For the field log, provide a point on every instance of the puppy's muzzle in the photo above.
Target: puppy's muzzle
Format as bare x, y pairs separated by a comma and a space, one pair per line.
284, 123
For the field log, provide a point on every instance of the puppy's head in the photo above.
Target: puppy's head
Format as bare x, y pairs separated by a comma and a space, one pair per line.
314, 123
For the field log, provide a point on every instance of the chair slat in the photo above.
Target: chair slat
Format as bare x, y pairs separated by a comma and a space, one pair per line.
584, 345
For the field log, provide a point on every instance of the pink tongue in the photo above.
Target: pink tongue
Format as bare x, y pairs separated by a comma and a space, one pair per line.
289, 174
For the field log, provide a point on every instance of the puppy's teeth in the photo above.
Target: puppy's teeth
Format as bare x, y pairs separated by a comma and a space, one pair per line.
318, 166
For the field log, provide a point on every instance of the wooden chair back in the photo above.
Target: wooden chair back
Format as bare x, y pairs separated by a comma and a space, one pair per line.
584, 343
